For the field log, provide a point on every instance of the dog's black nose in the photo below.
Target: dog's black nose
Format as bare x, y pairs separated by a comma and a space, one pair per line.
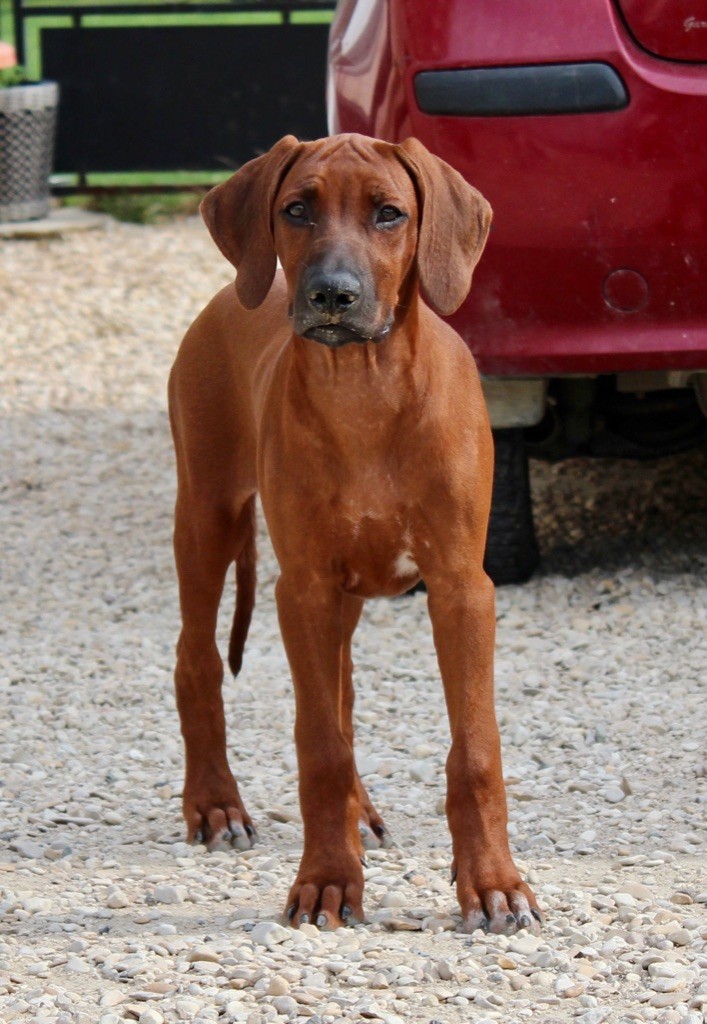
332, 292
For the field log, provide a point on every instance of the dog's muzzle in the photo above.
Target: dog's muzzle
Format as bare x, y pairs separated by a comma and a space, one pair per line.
331, 308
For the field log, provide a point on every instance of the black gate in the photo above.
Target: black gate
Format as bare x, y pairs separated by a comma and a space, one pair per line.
178, 86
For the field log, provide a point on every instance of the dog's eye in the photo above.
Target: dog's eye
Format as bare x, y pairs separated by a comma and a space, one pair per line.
388, 215
296, 211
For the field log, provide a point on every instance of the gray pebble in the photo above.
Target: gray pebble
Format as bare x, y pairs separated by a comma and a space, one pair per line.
169, 894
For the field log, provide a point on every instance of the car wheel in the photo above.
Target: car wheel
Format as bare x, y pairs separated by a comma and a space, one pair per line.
511, 549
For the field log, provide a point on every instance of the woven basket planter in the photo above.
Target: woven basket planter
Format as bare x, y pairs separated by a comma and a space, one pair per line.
27, 131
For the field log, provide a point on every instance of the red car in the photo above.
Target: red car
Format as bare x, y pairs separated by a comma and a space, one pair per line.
585, 125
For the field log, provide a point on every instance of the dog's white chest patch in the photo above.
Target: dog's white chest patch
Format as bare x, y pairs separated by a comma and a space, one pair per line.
405, 564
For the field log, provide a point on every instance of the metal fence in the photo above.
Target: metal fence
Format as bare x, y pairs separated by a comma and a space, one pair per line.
158, 88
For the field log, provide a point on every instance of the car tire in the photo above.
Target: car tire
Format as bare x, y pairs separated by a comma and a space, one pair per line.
511, 549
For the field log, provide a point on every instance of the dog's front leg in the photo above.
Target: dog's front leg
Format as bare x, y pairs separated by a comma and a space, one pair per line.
329, 886
489, 888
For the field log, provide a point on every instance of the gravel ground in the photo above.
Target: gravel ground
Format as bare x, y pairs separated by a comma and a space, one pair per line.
106, 915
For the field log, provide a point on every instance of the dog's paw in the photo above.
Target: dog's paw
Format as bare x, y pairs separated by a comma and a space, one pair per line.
371, 827
374, 835
221, 828
327, 899
503, 910
502, 914
214, 813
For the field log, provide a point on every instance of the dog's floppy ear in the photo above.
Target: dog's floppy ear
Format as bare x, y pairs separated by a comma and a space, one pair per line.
454, 225
238, 213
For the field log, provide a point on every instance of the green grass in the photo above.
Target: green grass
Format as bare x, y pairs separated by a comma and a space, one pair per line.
174, 183
7, 32
135, 208
134, 179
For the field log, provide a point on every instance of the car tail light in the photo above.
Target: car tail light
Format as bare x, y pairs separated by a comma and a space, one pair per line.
673, 29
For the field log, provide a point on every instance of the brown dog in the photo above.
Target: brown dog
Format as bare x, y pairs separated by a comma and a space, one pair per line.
336, 392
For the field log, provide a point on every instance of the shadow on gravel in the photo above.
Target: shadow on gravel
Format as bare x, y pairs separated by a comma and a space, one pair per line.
611, 514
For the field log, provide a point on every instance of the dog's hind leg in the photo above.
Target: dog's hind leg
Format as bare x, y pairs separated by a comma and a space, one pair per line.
207, 540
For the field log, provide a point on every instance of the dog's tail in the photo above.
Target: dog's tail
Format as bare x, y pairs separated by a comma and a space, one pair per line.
245, 588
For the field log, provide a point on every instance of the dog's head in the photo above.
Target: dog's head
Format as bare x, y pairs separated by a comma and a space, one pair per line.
355, 223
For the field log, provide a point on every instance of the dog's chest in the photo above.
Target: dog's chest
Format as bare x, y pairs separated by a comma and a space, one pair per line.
377, 551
